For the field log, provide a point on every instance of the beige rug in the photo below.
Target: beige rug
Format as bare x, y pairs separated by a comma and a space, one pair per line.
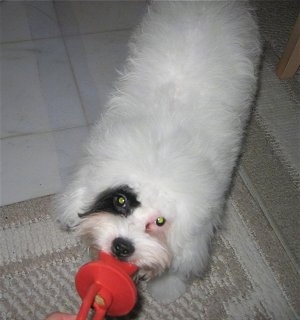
254, 269
251, 275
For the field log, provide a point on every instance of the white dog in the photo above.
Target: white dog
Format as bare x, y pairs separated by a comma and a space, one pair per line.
151, 187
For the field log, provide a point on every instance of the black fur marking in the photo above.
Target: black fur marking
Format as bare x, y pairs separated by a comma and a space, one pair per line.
120, 201
134, 313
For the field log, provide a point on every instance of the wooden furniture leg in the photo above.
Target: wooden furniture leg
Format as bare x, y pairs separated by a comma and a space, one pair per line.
290, 60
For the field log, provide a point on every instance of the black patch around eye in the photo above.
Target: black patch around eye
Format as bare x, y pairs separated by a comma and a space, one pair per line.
120, 200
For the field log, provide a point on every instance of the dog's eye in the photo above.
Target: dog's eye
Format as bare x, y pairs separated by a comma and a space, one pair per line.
160, 221
120, 201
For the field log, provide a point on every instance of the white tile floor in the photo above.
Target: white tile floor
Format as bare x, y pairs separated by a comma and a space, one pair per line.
59, 60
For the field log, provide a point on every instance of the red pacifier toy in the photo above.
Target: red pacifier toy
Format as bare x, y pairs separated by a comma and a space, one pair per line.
106, 286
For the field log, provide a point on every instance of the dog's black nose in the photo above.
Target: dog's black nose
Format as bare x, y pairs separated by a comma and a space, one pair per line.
122, 248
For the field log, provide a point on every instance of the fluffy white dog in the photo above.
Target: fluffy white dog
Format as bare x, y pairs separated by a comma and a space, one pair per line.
152, 185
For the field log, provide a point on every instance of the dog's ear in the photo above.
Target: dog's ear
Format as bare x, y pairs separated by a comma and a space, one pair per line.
68, 204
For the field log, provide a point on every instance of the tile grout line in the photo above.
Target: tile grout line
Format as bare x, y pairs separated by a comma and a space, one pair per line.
43, 132
64, 36
70, 64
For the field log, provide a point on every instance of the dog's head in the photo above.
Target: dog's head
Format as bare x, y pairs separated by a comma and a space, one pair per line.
119, 223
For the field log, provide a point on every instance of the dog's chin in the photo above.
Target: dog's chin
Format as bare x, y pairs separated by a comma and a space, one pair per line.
152, 255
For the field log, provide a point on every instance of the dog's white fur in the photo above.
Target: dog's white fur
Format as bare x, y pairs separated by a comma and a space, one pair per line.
172, 132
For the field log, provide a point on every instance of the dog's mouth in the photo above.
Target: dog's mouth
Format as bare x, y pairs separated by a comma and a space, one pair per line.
146, 270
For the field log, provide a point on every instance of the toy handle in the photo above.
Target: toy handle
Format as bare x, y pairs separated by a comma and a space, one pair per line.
89, 300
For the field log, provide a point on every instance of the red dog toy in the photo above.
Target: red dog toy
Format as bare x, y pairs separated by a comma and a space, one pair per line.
106, 286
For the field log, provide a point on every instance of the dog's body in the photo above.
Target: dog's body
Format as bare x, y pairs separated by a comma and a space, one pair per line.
152, 184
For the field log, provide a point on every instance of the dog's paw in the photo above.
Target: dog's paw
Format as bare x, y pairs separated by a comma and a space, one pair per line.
167, 288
